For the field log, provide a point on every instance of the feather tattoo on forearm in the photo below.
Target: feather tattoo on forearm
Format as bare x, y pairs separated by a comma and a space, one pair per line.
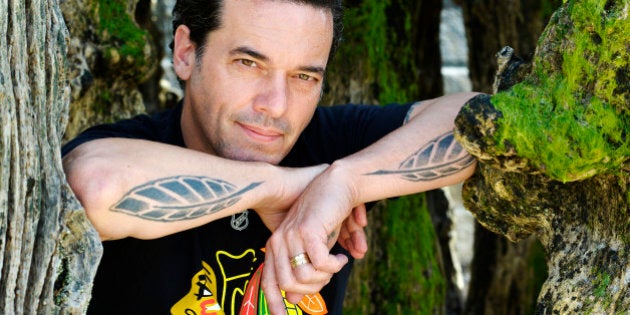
180, 198
441, 157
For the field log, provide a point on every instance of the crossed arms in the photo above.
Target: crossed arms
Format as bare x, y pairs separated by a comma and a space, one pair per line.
118, 181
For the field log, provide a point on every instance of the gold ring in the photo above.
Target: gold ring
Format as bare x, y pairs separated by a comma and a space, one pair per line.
299, 260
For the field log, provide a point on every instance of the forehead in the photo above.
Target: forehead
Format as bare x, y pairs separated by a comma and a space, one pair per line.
268, 26
270, 10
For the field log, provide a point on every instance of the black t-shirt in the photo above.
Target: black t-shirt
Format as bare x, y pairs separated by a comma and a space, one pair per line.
212, 267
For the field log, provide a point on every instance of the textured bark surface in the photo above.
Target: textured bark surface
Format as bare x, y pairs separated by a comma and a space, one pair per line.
554, 157
492, 24
385, 58
110, 56
48, 250
505, 276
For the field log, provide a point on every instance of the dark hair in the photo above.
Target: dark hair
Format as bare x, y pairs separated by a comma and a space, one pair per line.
204, 16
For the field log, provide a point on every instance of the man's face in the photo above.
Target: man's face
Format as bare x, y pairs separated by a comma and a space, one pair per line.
256, 87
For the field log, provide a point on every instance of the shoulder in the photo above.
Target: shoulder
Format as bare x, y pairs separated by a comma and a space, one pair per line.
340, 130
162, 127
360, 111
360, 116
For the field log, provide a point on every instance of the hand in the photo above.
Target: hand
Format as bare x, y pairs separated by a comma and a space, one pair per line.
312, 226
352, 236
288, 186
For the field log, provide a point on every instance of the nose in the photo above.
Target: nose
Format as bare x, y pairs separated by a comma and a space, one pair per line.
272, 98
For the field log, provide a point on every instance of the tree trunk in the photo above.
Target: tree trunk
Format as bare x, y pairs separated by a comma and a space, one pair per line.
49, 250
110, 56
408, 268
53, 81
493, 24
553, 154
506, 277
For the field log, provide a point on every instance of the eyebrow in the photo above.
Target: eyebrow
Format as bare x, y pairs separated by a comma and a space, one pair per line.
313, 69
249, 51
257, 55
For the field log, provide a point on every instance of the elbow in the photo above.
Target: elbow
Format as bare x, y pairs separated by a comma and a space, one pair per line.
89, 176
93, 181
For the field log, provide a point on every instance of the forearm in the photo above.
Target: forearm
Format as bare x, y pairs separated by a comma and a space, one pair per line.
420, 156
145, 189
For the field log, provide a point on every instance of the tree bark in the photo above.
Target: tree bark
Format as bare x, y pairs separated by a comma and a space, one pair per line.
393, 51
506, 277
110, 57
54, 82
49, 250
493, 24
553, 154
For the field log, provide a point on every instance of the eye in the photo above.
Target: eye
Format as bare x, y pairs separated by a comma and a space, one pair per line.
249, 63
305, 77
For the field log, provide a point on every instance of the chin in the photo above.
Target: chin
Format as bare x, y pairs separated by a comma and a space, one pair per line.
253, 157
253, 152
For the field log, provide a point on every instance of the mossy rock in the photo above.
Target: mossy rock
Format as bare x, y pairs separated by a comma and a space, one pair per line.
554, 157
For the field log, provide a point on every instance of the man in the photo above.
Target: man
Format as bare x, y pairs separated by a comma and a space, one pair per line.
168, 193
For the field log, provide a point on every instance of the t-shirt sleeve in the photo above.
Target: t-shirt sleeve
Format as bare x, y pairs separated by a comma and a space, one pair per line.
338, 131
139, 127
374, 122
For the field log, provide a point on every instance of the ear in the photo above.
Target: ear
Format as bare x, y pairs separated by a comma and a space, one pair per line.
184, 54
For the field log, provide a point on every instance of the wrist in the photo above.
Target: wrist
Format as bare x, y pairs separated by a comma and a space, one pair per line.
342, 175
284, 185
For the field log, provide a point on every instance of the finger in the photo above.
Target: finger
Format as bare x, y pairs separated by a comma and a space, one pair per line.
359, 244
293, 294
283, 269
356, 245
307, 279
322, 265
345, 238
359, 213
357, 220
356, 242
294, 298
351, 224
270, 286
321, 259
302, 279
344, 233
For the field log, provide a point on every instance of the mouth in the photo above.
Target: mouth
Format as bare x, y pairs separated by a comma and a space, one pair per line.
261, 134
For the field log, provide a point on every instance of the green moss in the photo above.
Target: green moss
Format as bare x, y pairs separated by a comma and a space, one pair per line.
410, 276
408, 279
601, 285
566, 140
106, 96
579, 123
369, 33
115, 25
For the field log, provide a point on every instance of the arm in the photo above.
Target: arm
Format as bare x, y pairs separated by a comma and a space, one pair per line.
419, 156
143, 189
